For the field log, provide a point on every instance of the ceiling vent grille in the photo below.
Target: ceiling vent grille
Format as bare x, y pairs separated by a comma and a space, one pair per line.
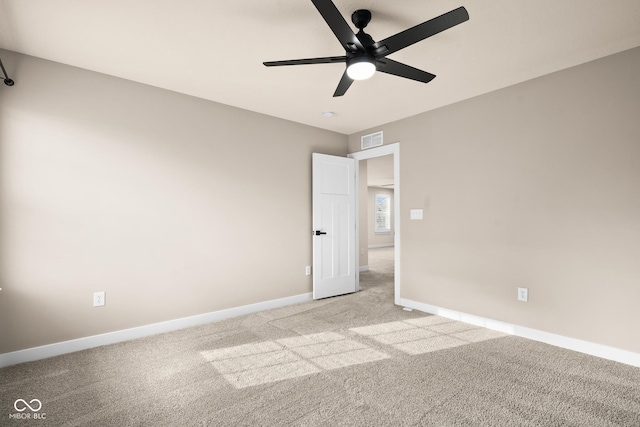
371, 140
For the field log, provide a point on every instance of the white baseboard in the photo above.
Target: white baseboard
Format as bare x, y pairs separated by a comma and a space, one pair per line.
71, 346
593, 349
382, 245
364, 268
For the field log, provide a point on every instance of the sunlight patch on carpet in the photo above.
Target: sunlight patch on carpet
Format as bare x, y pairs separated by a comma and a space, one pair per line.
264, 362
426, 334
269, 361
356, 357
253, 377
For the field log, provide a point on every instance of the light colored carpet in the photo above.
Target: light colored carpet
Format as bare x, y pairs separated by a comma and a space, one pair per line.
355, 360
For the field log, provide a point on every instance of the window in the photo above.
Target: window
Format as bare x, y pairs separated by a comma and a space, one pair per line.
382, 213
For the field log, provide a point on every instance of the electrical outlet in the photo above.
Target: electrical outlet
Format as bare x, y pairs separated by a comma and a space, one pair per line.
98, 299
307, 270
523, 294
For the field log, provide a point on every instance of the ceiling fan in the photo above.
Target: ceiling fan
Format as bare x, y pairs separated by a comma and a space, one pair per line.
363, 55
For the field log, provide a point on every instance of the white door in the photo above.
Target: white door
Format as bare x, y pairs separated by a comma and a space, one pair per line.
334, 225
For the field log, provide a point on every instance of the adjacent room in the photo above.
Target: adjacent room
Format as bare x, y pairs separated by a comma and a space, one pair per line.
171, 253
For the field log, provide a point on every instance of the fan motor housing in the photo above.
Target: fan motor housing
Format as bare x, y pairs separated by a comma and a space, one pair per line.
361, 18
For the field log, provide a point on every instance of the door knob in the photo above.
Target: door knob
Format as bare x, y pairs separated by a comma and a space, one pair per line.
318, 232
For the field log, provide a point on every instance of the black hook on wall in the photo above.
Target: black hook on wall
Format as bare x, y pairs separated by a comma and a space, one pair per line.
7, 80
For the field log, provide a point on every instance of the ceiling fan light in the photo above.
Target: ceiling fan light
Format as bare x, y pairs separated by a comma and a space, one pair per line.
361, 70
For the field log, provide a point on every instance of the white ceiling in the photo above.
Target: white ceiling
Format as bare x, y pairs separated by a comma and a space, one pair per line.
214, 49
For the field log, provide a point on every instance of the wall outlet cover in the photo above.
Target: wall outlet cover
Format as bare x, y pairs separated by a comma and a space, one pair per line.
98, 299
523, 294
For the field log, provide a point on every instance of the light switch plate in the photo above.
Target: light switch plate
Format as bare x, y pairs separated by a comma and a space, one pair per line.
416, 214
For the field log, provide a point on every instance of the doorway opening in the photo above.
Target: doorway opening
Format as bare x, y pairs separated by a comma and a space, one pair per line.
378, 225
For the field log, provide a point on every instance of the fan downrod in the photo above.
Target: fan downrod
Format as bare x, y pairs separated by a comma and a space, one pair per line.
361, 18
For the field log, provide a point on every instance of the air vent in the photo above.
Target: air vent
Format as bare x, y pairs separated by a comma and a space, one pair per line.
371, 140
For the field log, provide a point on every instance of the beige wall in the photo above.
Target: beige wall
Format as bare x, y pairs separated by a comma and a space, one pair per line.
373, 238
158, 199
171, 204
536, 185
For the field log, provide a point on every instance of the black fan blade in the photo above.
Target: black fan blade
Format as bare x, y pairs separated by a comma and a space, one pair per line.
389, 66
325, 60
344, 84
338, 25
420, 32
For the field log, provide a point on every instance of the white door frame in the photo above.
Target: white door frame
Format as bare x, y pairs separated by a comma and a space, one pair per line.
370, 153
